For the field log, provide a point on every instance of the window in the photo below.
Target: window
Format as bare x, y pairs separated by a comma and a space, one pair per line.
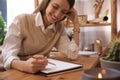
3, 9
16, 7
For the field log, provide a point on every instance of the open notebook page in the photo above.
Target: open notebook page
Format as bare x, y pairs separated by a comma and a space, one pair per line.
60, 66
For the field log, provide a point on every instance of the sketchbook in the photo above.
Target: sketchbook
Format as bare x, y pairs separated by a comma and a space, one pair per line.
60, 67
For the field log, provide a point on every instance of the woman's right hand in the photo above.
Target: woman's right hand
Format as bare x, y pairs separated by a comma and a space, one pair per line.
32, 65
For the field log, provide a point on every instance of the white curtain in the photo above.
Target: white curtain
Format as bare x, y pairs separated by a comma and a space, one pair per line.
88, 35
118, 15
16, 7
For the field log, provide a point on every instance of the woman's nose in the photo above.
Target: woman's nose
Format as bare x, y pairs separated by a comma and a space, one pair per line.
58, 14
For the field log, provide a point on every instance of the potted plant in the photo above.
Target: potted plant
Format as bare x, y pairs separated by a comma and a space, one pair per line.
2, 29
112, 59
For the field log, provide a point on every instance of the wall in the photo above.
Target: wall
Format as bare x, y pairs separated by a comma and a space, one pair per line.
88, 35
118, 15
16, 7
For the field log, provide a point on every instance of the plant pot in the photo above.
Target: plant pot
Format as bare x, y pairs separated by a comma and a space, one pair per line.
109, 64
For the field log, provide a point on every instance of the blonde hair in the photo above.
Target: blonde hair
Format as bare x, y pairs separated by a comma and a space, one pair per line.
41, 6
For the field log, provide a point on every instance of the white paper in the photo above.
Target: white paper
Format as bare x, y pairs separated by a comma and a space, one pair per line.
88, 53
60, 66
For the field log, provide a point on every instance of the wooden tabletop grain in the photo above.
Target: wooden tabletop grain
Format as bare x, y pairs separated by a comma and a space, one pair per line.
87, 62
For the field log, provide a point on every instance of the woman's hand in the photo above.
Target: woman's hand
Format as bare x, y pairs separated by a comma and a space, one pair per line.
32, 65
73, 16
36, 63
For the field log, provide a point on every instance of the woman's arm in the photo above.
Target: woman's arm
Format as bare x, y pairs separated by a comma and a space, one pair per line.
11, 48
73, 16
32, 65
11, 45
67, 47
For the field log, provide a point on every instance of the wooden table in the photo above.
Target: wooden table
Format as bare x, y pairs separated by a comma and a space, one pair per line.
87, 62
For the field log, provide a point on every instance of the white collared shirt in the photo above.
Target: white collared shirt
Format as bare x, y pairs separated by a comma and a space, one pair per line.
39, 23
10, 49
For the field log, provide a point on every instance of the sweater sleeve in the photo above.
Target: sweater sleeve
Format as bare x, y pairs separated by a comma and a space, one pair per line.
11, 45
67, 47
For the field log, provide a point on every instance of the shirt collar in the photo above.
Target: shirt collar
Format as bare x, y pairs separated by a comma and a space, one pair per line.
39, 23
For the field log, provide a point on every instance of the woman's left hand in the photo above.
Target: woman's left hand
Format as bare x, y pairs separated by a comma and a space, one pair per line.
73, 16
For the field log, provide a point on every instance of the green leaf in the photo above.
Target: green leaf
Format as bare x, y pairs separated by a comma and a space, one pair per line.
2, 30
114, 53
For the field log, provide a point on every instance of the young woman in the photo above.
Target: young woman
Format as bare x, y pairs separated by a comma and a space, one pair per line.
36, 34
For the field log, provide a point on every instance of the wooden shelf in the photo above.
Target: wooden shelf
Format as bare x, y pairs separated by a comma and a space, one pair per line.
69, 24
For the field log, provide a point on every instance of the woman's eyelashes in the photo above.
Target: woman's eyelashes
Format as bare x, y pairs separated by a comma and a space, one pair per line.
56, 7
64, 12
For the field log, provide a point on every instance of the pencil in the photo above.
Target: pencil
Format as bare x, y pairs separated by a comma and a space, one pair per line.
52, 63
38, 58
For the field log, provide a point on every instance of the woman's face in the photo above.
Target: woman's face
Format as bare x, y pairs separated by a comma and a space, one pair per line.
57, 10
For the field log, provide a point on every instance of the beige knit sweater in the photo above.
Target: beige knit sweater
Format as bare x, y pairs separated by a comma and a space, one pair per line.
34, 40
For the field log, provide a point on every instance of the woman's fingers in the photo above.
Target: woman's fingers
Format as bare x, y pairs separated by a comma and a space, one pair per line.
36, 63
40, 62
